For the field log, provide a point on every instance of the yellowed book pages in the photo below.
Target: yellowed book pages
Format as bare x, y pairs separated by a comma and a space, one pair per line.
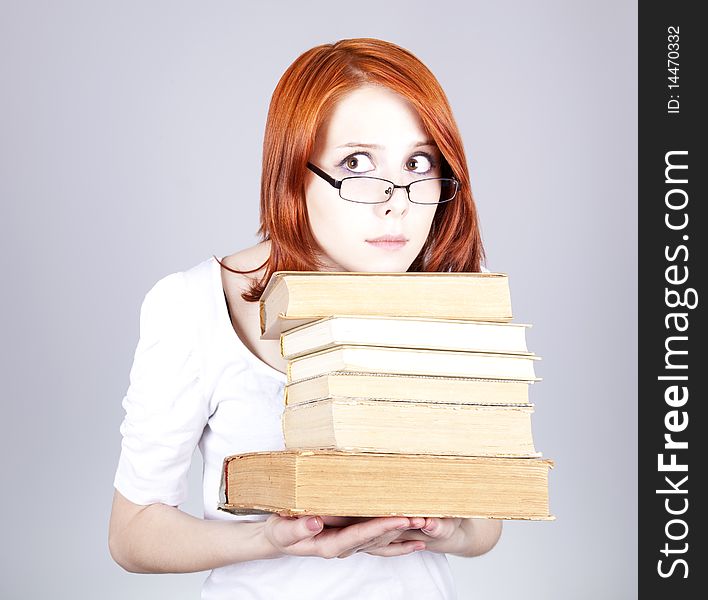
413, 362
387, 386
404, 332
410, 428
300, 482
292, 298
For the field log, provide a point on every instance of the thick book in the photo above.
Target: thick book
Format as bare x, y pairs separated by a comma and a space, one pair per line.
410, 427
383, 359
415, 388
404, 332
292, 298
302, 482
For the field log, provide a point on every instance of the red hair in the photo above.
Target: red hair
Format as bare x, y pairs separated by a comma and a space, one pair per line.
304, 96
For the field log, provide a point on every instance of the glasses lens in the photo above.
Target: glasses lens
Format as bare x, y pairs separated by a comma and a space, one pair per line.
433, 191
365, 189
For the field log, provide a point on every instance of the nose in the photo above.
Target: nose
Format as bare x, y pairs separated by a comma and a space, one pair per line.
398, 202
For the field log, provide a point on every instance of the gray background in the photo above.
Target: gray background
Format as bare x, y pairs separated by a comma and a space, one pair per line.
130, 142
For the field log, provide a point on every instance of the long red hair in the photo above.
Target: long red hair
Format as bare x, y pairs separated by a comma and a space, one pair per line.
304, 96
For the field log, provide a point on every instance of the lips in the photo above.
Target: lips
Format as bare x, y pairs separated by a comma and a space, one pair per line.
388, 242
389, 238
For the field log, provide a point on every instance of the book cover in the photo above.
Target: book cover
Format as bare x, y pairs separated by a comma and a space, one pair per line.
404, 332
403, 387
292, 298
413, 361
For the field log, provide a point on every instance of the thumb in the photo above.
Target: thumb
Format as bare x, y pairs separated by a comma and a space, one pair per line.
287, 532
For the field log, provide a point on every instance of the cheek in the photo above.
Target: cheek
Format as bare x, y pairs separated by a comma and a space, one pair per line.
423, 222
333, 219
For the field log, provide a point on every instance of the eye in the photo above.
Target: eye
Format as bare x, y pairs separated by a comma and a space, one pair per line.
421, 163
357, 163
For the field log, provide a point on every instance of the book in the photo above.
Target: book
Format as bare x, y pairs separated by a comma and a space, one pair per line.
385, 359
410, 427
292, 298
422, 388
404, 332
302, 482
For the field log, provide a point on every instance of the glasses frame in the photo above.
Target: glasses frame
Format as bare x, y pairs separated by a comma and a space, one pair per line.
337, 183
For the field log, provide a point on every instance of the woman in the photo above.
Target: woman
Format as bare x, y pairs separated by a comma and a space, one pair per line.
342, 112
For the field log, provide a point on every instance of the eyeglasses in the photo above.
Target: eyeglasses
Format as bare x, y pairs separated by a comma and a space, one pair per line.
374, 190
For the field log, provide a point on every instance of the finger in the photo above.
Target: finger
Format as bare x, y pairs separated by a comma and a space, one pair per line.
430, 527
382, 540
412, 534
397, 549
379, 542
286, 532
417, 522
362, 533
335, 542
440, 528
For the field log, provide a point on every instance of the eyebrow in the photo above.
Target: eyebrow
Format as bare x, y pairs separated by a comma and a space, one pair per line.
380, 147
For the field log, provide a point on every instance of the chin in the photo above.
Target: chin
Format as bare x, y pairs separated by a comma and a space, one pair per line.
385, 266
368, 262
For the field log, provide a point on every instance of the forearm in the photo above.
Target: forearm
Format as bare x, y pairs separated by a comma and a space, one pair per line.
163, 539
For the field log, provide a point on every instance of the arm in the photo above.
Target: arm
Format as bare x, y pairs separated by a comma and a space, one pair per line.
158, 538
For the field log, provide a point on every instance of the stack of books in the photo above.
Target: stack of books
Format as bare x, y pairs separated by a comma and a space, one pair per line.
407, 394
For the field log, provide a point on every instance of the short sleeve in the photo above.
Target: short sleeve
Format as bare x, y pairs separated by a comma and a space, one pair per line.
165, 406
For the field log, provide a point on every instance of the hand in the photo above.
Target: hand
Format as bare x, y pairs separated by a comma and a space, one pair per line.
441, 529
438, 535
330, 537
463, 537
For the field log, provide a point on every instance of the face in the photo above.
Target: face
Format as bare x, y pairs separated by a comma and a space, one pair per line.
375, 132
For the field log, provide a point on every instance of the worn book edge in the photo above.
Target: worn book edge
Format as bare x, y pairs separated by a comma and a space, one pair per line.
242, 509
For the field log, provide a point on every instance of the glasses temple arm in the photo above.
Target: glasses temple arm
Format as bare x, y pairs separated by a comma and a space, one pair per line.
331, 180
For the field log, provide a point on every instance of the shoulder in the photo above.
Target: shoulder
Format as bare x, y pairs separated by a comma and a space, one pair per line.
182, 302
251, 259
183, 290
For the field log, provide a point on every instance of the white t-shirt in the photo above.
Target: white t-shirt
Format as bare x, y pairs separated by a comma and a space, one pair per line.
193, 382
